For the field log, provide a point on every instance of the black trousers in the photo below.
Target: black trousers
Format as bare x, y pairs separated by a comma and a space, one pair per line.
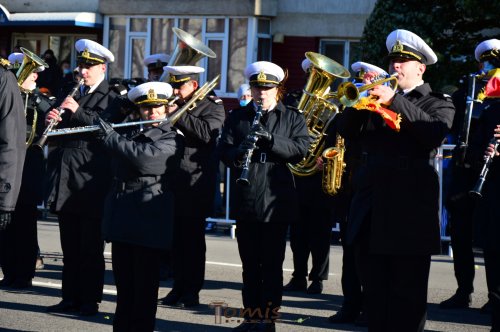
351, 283
396, 292
492, 268
83, 258
136, 270
262, 251
311, 235
19, 245
462, 234
189, 250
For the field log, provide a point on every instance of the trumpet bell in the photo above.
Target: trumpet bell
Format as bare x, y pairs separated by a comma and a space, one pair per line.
31, 62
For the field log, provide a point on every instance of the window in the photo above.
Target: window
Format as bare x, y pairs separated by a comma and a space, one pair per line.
235, 40
342, 51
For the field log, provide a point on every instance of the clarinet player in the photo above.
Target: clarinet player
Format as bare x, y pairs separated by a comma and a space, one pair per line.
267, 204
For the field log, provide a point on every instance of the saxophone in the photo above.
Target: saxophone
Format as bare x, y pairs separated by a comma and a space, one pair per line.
333, 167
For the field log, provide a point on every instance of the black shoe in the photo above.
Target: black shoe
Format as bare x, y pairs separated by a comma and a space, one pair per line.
296, 285
172, 298
22, 284
486, 308
457, 301
316, 287
343, 317
362, 320
246, 326
6, 282
63, 306
89, 309
188, 301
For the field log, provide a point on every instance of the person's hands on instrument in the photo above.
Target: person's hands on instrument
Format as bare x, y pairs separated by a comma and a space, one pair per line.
70, 104
245, 145
105, 128
384, 94
490, 150
5, 219
52, 115
265, 138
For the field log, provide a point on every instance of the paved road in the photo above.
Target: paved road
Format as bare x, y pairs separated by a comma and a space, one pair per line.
25, 310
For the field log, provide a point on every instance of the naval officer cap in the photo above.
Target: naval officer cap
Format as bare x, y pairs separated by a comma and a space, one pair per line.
16, 60
405, 44
488, 49
156, 61
150, 94
182, 74
264, 74
91, 53
361, 68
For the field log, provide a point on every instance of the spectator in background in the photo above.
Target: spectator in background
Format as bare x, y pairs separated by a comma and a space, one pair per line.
50, 78
244, 94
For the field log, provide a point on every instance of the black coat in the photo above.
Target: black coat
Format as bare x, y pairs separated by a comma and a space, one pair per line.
139, 208
487, 212
396, 187
12, 140
271, 195
195, 182
79, 171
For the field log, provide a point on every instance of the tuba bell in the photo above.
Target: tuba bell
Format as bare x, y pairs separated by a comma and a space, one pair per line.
317, 109
187, 52
30, 63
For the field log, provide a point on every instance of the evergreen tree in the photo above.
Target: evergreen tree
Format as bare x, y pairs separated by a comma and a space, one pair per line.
451, 28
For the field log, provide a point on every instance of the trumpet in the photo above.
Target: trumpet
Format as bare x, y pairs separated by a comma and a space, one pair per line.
247, 159
476, 191
53, 122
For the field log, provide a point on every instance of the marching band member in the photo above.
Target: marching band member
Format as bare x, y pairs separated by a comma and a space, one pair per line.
393, 220
12, 145
194, 184
138, 212
269, 203
79, 179
487, 213
155, 64
18, 244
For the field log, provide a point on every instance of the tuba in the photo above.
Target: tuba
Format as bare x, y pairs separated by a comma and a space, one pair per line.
318, 110
31, 62
333, 167
188, 51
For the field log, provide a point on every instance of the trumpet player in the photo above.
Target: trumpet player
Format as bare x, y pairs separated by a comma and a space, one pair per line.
488, 54
268, 203
194, 184
79, 176
18, 243
393, 220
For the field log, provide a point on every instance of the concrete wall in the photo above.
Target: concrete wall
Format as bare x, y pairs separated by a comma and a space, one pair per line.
190, 7
40, 6
322, 18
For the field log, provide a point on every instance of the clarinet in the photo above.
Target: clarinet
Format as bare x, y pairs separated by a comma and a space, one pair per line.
53, 122
476, 191
247, 158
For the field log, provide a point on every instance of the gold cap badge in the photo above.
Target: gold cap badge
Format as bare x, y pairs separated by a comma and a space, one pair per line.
261, 77
152, 95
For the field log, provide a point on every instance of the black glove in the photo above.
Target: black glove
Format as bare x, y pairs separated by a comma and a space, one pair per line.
265, 138
5, 219
105, 128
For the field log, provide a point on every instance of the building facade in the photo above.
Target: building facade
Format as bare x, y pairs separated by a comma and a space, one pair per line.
238, 31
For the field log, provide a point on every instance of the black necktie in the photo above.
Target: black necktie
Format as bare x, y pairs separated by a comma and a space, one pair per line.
85, 90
